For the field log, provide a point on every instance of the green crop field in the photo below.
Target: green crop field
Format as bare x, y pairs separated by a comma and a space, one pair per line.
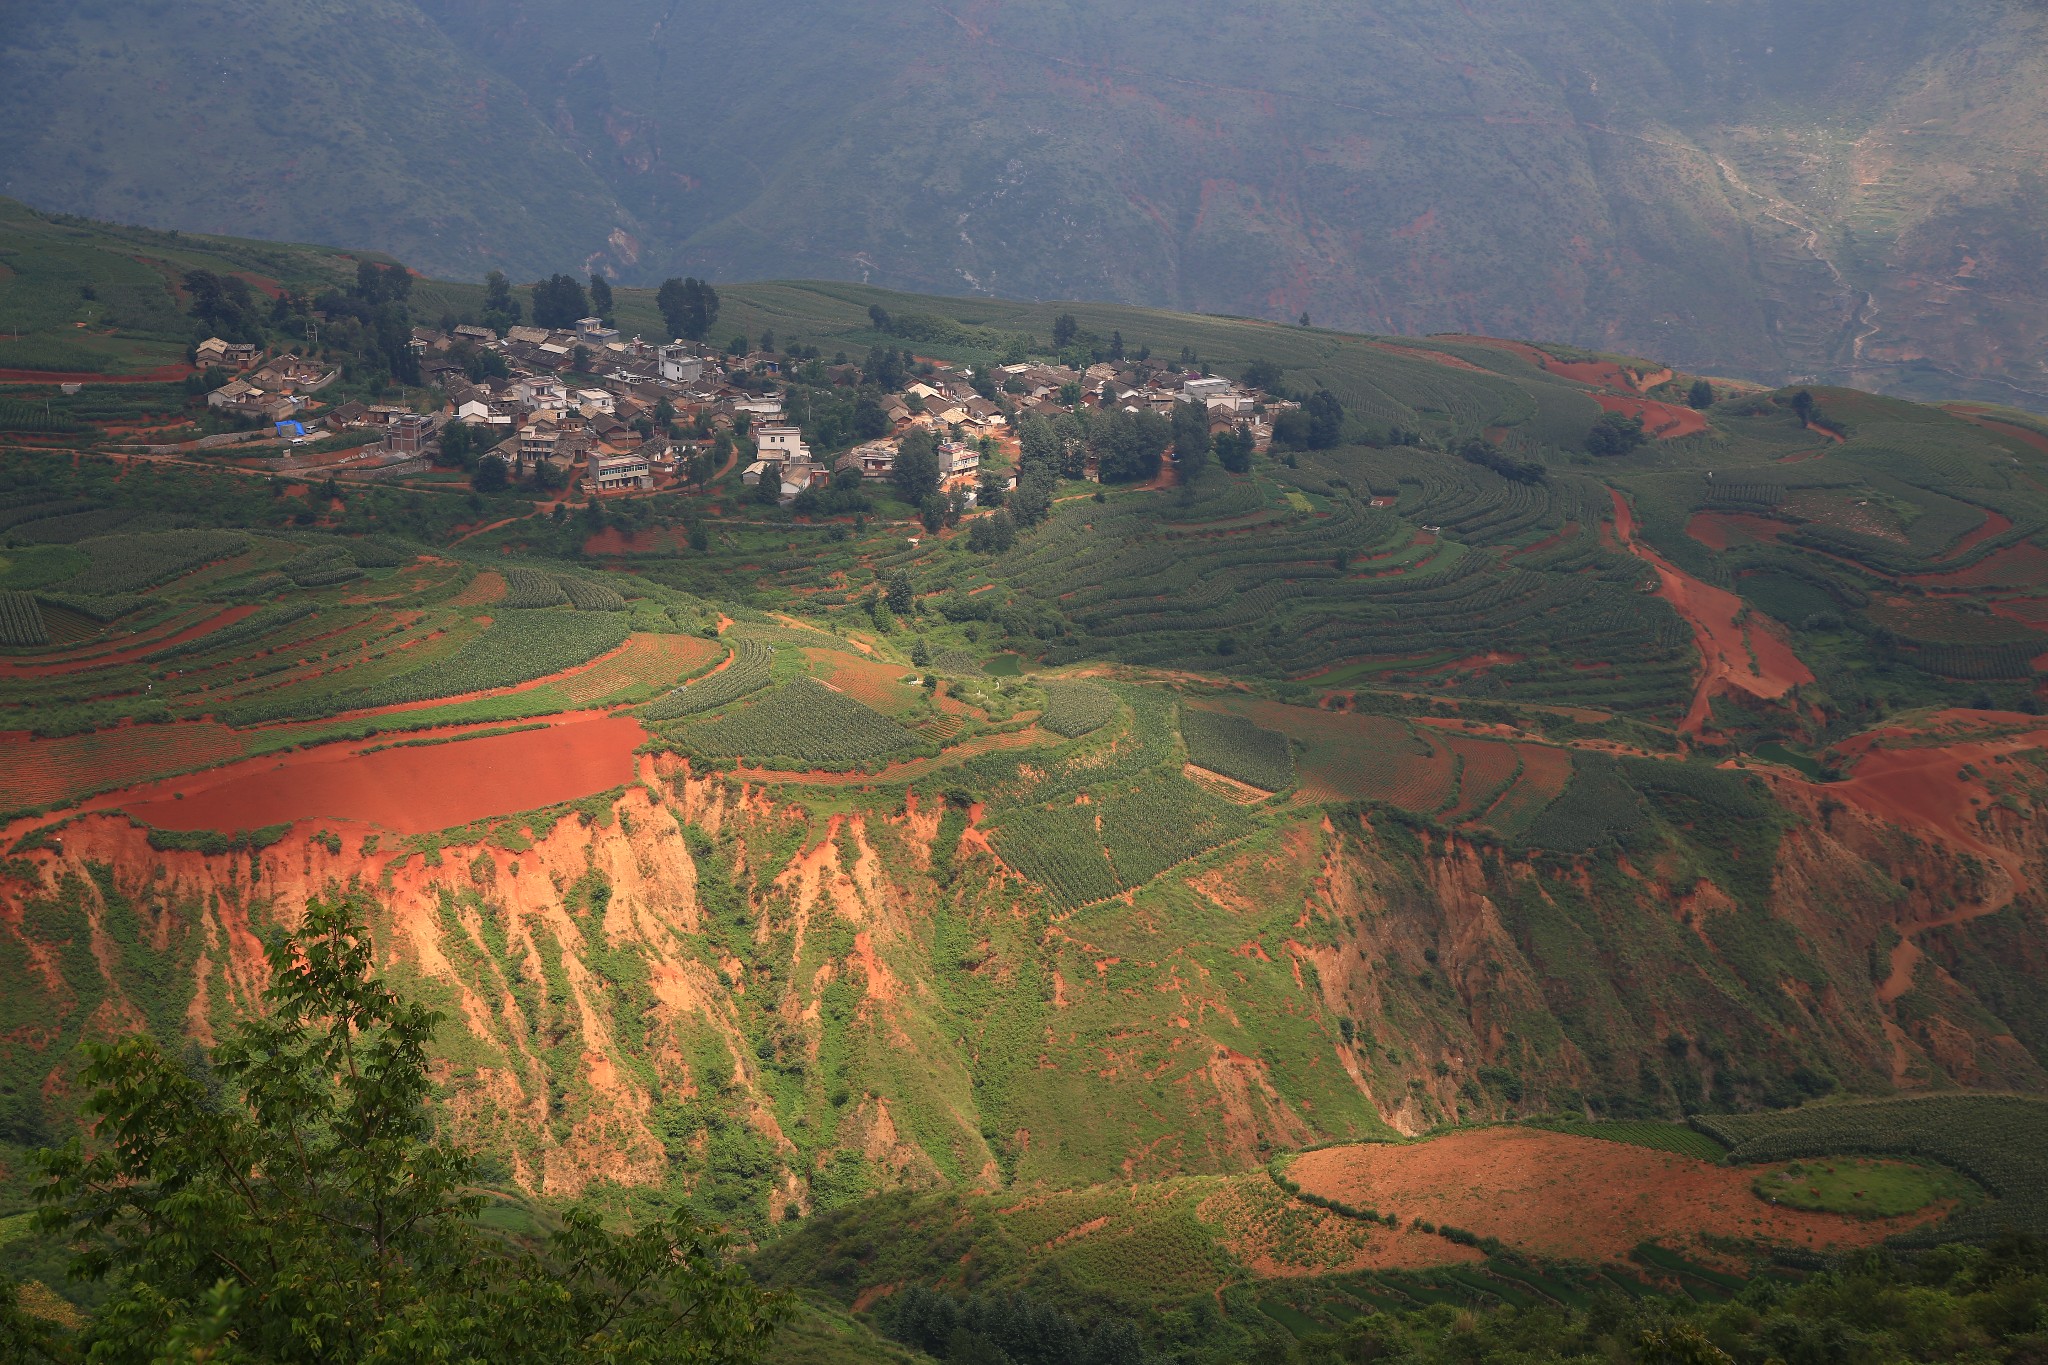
750, 669
1999, 1141
912, 938
801, 724
1075, 709
1231, 745
1864, 1188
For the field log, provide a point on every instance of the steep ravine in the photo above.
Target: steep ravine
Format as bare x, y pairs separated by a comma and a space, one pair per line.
701, 987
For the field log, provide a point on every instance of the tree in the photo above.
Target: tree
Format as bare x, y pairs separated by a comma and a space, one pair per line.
932, 512
1614, 434
1701, 396
992, 534
558, 302
920, 653
991, 486
1326, 419
689, 306
1064, 330
1234, 450
225, 305
1262, 374
490, 475
1191, 437
900, 595
916, 473
601, 297
287, 1201
501, 310
459, 446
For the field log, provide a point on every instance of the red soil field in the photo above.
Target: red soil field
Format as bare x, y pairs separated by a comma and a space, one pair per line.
1601, 373
653, 540
410, 790
1995, 524
1719, 530
162, 374
1352, 757
486, 588
1549, 542
1918, 787
865, 680
1724, 645
662, 660
41, 772
1665, 421
2018, 566
1561, 1196
1488, 766
1545, 771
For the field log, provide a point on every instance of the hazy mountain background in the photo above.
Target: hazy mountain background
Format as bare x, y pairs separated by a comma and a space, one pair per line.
1849, 189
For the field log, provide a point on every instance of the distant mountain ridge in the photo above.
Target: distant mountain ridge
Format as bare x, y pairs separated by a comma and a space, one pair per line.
1826, 189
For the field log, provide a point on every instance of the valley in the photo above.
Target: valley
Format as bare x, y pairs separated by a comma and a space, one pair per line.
1322, 880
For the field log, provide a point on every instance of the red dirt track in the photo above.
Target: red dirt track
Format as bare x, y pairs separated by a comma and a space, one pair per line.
1724, 645
162, 374
410, 790
1564, 1196
1665, 421
1718, 530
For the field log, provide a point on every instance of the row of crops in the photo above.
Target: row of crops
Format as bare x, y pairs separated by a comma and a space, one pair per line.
21, 620
130, 563
802, 724
258, 627
1082, 851
321, 568
2000, 1141
751, 668
1074, 709
1302, 593
514, 650
536, 588
1230, 744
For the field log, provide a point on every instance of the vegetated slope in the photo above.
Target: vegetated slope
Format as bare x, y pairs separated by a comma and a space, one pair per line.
358, 124
1732, 186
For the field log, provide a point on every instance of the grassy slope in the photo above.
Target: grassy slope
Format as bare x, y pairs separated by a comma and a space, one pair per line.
357, 124
1719, 194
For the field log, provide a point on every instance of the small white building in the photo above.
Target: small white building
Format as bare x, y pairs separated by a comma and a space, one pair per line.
593, 333
958, 457
780, 441
874, 459
625, 472
596, 401
1202, 390
680, 364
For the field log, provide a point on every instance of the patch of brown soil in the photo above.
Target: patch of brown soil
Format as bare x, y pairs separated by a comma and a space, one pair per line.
1562, 1196
1279, 1237
481, 591
411, 790
1719, 530
1665, 421
868, 681
1748, 655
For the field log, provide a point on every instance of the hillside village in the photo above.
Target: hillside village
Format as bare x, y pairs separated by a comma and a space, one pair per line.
585, 412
